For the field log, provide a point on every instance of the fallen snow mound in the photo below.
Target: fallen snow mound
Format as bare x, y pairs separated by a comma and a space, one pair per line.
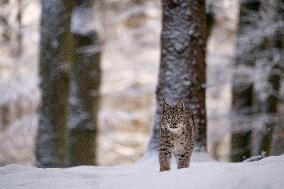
267, 173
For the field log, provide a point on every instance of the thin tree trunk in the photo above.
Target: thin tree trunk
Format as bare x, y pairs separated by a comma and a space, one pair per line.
54, 67
271, 109
243, 95
274, 46
210, 17
277, 146
19, 34
4, 21
85, 83
182, 67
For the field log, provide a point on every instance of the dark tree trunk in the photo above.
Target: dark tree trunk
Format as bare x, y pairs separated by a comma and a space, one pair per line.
210, 18
243, 95
271, 110
85, 83
19, 34
12, 26
274, 47
266, 54
4, 22
54, 67
277, 146
182, 67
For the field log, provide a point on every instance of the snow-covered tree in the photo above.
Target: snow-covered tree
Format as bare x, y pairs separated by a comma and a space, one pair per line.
272, 45
256, 80
243, 95
277, 146
182, 66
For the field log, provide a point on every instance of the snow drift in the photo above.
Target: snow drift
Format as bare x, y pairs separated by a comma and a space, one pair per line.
265, 174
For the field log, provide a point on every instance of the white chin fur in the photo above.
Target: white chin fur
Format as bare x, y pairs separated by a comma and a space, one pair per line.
175, 131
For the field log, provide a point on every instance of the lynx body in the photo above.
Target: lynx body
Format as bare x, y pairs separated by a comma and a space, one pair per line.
177, 133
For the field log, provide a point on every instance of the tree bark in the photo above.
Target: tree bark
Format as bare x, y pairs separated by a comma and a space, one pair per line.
85, 83
54, 67
182, 66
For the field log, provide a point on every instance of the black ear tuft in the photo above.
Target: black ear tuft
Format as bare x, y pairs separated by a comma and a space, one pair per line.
164, 104
180, 104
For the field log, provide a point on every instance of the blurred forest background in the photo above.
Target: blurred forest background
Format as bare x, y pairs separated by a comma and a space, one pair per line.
110, 104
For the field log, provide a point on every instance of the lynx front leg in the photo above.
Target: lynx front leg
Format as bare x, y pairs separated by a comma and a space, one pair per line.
165, 151
165, 159
183, 160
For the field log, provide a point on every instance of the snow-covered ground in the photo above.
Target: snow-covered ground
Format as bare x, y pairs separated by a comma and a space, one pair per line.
264, 174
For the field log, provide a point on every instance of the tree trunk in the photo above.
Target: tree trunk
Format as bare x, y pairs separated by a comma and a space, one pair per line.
277, 146
243, 95
11, 25
54, 67
85, 83
274, 46
4, 21
19, 34
271, 109
182, 66
210, 17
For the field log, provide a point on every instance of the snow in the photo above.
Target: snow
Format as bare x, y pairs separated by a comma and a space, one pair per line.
267, 173
83, 20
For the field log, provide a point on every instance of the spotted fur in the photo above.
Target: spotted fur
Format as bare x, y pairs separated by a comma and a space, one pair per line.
177, 134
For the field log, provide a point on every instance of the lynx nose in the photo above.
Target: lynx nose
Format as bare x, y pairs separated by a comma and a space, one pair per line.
174, 125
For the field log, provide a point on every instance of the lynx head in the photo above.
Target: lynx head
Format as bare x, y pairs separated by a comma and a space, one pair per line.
173, 117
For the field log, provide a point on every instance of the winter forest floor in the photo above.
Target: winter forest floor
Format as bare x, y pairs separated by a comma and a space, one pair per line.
263, 174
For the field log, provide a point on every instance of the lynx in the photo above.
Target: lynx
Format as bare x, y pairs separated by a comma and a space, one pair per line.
177, 133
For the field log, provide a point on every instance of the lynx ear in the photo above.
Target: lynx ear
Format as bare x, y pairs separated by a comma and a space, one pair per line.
180, 104
164, 104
